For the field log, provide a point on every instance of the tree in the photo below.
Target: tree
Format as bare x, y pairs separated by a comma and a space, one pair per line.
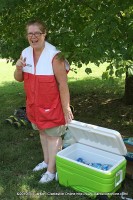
84, 30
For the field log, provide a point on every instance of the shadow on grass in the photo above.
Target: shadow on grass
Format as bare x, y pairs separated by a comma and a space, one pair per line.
101, 103
11, 96
95, 102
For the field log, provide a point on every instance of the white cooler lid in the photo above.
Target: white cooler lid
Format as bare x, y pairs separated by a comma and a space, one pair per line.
97, 137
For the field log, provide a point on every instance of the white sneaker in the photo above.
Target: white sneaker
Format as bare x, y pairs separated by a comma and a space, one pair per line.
40, 166
47, 177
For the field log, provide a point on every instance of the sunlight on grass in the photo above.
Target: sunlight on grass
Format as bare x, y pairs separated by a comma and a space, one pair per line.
81, 74
25, 188
1, 190
85, 81
6, 72
32, 192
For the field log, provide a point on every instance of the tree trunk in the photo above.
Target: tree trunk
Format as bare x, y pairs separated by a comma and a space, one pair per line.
128, 96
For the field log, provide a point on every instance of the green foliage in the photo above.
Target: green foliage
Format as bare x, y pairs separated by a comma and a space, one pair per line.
85, 31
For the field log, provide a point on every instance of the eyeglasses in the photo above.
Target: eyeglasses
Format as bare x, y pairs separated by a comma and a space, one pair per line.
36, 34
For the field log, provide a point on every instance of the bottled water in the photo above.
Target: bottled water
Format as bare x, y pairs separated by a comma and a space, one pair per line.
96, 165
81, 160
104, 167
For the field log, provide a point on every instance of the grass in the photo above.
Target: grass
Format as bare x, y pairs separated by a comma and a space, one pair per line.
95, 101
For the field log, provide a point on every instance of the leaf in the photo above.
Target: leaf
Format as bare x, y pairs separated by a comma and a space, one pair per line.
105, 75
130, 71
118, 73
79, 65
111, 72
109, 67
88, 70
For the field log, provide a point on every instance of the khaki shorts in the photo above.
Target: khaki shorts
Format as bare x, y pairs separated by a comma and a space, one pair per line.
55, 131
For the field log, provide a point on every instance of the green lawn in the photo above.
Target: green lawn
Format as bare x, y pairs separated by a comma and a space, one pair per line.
96, 101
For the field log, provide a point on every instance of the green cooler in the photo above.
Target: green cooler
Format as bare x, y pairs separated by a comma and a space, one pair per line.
93, 144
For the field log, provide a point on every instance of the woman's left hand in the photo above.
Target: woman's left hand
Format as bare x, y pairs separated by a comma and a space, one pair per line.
68, 115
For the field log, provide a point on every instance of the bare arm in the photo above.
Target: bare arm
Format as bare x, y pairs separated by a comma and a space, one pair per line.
61, 77
18, 73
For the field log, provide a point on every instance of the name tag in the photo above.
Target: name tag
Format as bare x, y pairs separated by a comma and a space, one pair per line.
28, 65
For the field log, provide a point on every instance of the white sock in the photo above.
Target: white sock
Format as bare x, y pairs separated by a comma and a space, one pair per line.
51, 175
45, 164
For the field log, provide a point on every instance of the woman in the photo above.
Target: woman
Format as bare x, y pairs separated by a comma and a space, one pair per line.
47, 94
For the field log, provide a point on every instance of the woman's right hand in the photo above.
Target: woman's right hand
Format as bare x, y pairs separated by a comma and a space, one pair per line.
20, 63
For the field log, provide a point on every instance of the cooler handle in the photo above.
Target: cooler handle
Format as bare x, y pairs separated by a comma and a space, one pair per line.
119, 173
